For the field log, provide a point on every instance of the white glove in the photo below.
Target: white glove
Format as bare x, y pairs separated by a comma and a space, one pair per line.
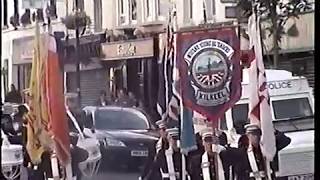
139, 178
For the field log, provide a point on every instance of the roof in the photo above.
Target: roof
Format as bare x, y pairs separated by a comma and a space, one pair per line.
272, 75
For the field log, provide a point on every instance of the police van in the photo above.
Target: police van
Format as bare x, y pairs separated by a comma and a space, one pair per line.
292, 105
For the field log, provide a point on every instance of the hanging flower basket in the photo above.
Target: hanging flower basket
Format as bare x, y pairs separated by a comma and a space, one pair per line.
76, 19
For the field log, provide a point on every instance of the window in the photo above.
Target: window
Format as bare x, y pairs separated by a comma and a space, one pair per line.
163, 7
52, 9
14, 19
231, 12
293, 114
98, 15
80, 4
190, 9
5, 12
291, 108
210, 8
187, 11
112, 119
122, 16
240, 117
149, 8
133, 10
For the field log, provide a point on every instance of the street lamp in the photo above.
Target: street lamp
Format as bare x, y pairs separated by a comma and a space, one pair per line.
77, 21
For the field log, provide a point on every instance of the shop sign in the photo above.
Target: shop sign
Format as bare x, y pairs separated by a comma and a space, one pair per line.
22, 50
128, 50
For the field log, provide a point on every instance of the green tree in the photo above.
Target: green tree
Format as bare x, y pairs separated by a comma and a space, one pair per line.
277, 13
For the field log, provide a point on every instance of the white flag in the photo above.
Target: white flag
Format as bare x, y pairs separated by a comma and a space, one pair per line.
259, 107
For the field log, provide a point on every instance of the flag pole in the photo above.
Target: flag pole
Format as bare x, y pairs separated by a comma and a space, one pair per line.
68, 167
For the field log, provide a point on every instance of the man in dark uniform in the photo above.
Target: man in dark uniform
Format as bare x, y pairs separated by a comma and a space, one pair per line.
169, 161
210, 164
253, 166
73, 108
162, 143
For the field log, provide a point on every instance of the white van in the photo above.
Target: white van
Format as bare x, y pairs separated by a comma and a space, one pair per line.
292, 105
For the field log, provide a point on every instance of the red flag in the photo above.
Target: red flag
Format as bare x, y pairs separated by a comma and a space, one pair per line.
259, 107
57, 113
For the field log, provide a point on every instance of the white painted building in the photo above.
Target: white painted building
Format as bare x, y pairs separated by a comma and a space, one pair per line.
121, 15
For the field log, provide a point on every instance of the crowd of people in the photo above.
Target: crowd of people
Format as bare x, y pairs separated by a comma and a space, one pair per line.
123, 98
214, 158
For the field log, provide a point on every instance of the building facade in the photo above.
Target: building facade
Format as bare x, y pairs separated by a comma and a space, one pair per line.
127, 56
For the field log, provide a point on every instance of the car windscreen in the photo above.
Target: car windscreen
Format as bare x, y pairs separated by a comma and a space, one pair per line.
109, 119
293, 114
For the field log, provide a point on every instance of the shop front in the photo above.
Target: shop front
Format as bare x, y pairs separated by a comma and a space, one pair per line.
22, 53
132, 65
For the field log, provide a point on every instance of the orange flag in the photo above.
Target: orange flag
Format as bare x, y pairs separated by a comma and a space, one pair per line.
58, 125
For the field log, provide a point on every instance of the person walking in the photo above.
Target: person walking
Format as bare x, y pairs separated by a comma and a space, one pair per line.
102, 101
169, 161
162, 143
210, 164
253, 164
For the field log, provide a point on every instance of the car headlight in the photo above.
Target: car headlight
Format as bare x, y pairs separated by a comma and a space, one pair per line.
114, 142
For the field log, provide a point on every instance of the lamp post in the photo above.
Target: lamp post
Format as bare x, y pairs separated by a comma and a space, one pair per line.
77, 55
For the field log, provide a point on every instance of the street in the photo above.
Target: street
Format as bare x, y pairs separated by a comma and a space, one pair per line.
114, 175
103, 175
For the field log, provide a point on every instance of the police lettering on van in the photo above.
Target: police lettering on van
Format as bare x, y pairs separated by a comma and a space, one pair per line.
280, 85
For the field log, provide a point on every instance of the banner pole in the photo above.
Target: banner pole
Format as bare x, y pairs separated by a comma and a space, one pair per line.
54, 166
69, 171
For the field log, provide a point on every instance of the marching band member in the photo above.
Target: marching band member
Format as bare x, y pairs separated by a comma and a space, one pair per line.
208, 165
163, 141
253, 165
169, 161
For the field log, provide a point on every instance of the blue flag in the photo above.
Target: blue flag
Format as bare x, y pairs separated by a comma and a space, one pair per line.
187, 136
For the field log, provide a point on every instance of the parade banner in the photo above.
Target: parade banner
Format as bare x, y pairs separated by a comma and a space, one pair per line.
209, 68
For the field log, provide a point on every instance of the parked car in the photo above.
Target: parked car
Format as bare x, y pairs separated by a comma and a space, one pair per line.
126, 135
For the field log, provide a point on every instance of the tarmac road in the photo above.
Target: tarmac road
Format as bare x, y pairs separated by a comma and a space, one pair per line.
119, 174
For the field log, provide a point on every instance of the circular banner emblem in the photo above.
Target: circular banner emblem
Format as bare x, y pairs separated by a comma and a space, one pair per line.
209, 69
